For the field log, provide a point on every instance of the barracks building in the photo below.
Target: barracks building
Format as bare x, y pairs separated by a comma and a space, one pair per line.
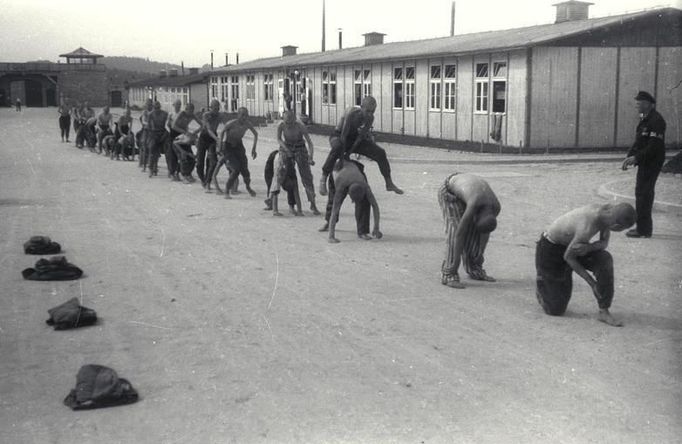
569, 84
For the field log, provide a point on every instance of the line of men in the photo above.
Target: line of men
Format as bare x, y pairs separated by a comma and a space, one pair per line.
469, 206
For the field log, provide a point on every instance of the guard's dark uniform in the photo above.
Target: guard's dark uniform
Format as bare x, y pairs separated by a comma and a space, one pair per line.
649, 153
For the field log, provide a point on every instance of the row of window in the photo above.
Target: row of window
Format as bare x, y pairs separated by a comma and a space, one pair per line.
442, 87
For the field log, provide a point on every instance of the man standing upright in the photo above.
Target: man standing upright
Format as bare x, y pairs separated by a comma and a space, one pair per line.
157, 137
104, 122
207, 157
648, 154
171, 157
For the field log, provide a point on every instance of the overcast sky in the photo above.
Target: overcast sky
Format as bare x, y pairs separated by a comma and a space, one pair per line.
174, 31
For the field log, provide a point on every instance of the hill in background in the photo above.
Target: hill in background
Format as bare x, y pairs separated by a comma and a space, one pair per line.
138, 64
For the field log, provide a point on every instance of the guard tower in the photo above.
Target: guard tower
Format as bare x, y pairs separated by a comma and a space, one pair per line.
81, 56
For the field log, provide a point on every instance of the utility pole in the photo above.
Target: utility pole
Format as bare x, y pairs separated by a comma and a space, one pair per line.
323, 24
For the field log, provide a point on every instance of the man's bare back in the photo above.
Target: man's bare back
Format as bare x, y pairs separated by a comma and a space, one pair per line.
474, 191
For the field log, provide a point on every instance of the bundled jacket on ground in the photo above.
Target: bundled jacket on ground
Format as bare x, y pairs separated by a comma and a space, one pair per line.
53, 269
99, 386
71, 314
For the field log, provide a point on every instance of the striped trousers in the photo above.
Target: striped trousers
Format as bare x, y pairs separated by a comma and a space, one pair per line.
472, 254
300, 155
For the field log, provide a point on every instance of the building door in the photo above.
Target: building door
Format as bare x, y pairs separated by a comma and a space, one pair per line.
116, 99
34, 93
51, 96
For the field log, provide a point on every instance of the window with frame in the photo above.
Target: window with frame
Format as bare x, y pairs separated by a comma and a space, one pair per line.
329, 87
482, 85
357, 86
362, 85
499, 90
250, 87
234, 90
450, 87
397, 87
435, 87
409, 87
366, 83
268, 87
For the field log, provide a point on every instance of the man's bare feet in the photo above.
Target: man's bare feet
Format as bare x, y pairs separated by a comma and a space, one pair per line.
452, 281
390, 186
365, 236
605, 317
299, 213
251, 192
277, 213
333, 240
324, 227
314, 209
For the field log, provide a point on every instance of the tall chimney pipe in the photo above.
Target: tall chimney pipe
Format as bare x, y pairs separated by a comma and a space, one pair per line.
323, 25
452, 20
237, 58
211, 59
227, 59
340, 38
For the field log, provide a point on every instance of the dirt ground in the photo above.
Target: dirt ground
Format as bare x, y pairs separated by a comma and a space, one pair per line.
238, 327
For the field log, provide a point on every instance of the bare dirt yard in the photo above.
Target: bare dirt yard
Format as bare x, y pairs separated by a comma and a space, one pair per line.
238, 327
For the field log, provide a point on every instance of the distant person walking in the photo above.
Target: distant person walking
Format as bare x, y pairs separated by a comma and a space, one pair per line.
18, 105
648, 154
64, 120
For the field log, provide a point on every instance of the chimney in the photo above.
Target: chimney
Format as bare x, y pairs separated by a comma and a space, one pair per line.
452, 19
173, 73
227, 59
374, 38
193, 71
572, 10
324, 34
288, 50
237, 59
162, 73
340, 38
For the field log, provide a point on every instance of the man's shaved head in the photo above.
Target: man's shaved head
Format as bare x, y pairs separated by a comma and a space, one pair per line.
622, 216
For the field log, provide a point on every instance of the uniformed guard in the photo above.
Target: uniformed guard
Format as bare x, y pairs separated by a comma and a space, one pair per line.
648, 154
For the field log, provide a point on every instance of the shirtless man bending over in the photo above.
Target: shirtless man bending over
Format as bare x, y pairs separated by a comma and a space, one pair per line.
565, 247
349, 179
470, 210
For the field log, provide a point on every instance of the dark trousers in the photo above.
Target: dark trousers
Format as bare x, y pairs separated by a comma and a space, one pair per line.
171, 158
362, 208
237, 163
206, 157
366, 148
187, 162
65, 126
156, 143
554, 282
647, 175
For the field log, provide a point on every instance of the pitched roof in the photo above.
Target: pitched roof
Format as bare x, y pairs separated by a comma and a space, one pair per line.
489, 41
172, 81
81, 52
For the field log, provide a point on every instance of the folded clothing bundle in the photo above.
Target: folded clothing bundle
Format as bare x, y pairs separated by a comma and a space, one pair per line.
98, 386
71, 314
41, 245
52, 269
